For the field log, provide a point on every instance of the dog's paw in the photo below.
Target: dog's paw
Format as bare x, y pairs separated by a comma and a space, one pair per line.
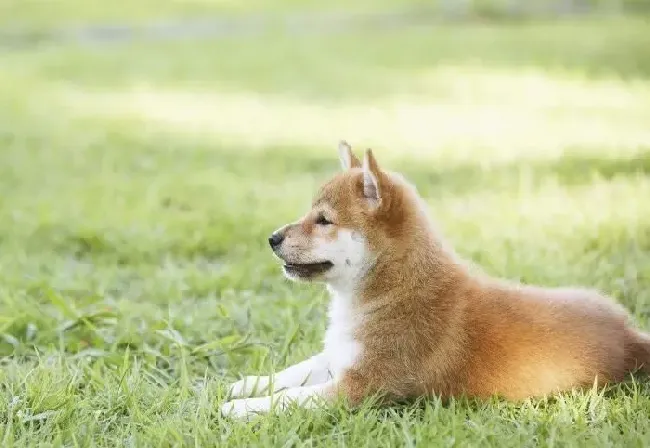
246, 408
249, 386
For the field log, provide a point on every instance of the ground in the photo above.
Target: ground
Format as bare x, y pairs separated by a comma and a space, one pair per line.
140, 181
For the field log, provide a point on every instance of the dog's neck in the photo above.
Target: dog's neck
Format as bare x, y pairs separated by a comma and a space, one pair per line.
348, 289
421, 265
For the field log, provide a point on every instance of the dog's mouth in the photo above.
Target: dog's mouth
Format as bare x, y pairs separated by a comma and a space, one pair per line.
307, 270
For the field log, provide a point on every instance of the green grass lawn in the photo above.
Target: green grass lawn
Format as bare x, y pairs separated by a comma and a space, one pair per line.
138, 185
40, 14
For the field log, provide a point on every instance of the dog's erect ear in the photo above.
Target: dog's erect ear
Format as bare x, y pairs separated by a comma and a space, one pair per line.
348, 159
371, 179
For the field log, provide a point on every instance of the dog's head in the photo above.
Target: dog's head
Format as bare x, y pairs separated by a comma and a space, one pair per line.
354, 217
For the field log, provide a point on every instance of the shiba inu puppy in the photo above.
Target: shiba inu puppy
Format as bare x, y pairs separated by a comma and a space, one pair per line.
408, 319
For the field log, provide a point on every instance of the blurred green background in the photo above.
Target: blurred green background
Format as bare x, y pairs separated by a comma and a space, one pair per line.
147, 150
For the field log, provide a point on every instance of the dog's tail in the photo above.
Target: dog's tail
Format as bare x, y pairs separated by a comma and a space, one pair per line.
637, 351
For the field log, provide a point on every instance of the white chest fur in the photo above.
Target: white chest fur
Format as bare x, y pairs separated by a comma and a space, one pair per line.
341, 347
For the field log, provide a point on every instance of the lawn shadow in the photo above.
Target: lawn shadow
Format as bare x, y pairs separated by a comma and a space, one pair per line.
433, 179
275, 163
569, 170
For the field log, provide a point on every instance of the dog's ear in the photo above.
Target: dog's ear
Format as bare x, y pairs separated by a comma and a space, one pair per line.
371, 180
348, 159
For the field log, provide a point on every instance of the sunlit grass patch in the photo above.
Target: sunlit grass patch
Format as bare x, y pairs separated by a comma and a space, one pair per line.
444, 114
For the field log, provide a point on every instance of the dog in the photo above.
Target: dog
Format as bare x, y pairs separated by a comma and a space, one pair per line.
409, 318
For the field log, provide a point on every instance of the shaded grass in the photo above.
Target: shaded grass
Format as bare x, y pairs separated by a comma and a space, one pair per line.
135, 282
371, 61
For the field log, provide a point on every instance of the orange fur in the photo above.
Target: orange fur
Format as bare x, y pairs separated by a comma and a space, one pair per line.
432, 327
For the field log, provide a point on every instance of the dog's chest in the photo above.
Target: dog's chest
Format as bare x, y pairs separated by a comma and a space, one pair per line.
341, 347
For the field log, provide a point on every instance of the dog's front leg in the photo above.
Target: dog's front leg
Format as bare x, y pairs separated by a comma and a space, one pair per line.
310, 372
352, 386
308, 397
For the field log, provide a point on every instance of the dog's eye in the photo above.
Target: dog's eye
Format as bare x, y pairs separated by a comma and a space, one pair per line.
322, 220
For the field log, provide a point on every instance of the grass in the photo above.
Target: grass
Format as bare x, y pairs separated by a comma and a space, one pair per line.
138, 184
38, 15
44, 14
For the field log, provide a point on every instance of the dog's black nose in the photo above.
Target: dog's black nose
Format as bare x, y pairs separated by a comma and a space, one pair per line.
275, 240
